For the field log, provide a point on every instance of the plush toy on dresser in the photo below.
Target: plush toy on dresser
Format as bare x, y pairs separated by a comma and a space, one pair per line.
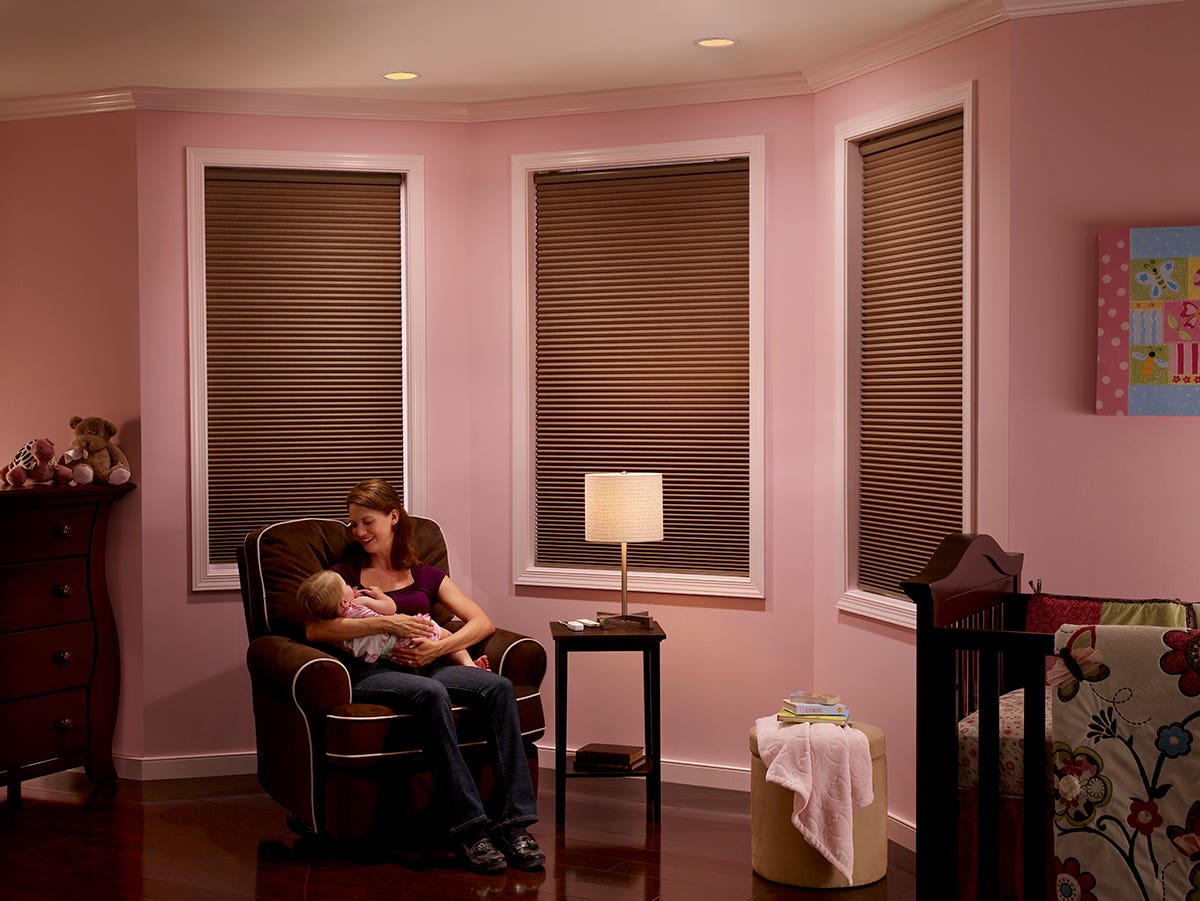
34, 464
92, 457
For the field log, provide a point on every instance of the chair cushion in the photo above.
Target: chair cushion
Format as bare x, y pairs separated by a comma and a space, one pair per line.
359, 735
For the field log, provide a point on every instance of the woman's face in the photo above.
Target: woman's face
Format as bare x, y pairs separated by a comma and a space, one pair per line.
372, 529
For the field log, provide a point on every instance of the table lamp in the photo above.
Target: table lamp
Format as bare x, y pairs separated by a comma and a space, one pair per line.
623, 507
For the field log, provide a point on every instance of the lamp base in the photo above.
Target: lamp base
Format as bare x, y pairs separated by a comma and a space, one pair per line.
642, 620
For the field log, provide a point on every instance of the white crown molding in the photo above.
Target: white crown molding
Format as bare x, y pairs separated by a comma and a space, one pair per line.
235, 102
1022, 9
649, 97
966, 20
66, 105
958, 24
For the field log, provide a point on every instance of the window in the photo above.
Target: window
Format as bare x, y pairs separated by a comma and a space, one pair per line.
908, 423
298, 315
642, 357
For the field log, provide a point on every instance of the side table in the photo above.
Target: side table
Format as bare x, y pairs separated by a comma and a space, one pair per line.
648, 642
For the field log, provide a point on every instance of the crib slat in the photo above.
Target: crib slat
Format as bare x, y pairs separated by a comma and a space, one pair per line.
1037, 810
988, 831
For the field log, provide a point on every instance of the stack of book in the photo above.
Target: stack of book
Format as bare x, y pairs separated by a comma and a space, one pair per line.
813, 707
598, 756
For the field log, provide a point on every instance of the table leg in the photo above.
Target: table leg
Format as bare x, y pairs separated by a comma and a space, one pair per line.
650, 680
560, 733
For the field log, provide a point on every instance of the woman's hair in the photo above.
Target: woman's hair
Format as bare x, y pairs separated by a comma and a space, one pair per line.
378, 494
320, 596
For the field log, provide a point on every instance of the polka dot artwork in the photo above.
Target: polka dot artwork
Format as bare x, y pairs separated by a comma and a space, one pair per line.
1148, 330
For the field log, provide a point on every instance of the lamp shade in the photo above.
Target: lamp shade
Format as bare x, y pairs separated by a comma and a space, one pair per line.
622, 506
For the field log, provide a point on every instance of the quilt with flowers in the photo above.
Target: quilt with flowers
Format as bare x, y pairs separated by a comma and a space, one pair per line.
1124, 762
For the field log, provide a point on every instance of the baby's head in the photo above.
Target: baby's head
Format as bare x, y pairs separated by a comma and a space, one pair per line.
324, 595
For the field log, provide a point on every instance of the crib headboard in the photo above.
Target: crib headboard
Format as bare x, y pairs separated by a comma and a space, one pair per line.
971, 648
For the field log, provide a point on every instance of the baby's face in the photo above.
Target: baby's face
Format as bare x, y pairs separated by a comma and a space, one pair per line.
348, 595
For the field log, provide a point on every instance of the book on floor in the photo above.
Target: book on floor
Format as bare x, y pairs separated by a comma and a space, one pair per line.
599, 754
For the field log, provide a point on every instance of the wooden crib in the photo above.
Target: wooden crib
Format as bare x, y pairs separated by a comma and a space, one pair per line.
972, 648
979, 639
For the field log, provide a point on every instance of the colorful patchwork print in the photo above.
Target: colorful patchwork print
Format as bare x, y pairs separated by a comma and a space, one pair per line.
1148, 331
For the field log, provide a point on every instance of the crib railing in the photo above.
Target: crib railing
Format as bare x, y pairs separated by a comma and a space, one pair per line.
971, 650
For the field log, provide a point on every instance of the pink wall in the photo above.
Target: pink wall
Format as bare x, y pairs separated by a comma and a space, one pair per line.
203, 706
69, 295
873, 663
1059, 154
1100, 504
707, 714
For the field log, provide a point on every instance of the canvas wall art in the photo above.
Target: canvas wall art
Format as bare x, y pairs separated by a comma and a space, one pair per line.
1148, 334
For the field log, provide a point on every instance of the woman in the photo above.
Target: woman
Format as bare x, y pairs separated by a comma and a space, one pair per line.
418, 679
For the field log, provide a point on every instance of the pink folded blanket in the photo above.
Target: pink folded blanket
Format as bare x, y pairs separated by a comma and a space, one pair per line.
828, 768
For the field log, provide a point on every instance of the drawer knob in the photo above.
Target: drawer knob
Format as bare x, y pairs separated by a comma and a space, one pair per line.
62, 530
62, 591
66, 724
62, 657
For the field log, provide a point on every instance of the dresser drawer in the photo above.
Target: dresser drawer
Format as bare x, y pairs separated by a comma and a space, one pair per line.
46, 660
44, 594
43, 532
43, 728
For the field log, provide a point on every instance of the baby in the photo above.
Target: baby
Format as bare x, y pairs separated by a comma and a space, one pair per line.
325, 595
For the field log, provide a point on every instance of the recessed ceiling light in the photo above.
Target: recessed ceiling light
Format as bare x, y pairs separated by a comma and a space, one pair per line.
716, 42
401, 76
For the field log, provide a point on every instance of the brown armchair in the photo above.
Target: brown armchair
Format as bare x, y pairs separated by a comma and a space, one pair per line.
335, 765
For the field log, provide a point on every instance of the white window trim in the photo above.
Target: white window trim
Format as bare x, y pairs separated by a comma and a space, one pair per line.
524, 166
207, 576
848, 197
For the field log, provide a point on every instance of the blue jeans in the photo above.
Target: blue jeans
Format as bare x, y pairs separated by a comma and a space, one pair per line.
429, 697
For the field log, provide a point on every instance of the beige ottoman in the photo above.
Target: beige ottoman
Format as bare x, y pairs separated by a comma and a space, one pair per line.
777, 850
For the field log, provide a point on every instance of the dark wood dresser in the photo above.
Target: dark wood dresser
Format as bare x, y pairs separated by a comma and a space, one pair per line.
59, 660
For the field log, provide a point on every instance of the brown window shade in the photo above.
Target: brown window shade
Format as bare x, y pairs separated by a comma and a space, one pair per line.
911, 413
643, 357
305, 351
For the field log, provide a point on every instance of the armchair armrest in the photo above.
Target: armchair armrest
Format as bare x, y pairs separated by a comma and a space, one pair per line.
297, 674
518, 658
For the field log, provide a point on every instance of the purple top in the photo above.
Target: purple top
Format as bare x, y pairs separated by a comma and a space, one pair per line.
419, 597
412, 600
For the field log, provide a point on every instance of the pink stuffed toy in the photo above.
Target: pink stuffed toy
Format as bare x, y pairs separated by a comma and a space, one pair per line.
34, 465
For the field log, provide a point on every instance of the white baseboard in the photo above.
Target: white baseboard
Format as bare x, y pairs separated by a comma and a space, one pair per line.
706, 775
151, 769
900, 831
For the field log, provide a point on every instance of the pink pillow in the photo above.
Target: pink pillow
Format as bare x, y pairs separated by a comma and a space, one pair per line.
1047, 612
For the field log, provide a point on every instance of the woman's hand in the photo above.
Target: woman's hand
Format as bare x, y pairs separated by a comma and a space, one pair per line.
403, 626
423, 651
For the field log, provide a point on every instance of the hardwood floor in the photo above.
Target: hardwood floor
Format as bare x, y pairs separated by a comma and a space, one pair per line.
223, 839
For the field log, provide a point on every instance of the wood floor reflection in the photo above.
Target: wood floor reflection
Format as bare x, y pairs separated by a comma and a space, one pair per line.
222, 839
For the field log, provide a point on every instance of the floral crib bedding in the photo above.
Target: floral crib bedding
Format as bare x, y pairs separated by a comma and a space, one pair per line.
1125, 770
1012, 744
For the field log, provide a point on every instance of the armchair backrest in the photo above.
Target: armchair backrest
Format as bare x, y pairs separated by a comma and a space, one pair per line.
275, 559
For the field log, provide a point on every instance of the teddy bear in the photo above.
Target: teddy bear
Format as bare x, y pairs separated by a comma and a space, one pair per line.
92, 457
34, 464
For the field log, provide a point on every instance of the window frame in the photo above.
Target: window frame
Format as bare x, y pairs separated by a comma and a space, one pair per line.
958, 98
523, 168
208, 576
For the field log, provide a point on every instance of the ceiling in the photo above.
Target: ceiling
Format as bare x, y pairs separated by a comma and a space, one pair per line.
467, 51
